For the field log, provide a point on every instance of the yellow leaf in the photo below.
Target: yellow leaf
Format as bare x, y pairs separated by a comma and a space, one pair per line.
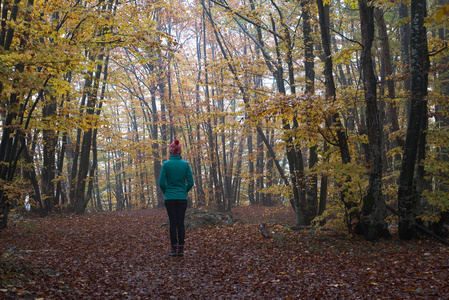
444, 11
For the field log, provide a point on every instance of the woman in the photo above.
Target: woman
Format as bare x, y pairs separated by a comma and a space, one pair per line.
175, 181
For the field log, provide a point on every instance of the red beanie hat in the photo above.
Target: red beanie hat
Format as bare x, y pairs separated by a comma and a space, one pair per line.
175, 148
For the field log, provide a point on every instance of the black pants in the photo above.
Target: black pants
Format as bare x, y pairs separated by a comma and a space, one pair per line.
176, 210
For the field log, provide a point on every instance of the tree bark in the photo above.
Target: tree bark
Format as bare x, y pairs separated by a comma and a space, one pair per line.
30, 174
218, 196
374, 210
342, 140
405, 43
157, 164
49, 153
389, 114
442, 110
309, 69
198, 161
61, 157
260, 162
11, 137
91, 87
249, 141
418, 111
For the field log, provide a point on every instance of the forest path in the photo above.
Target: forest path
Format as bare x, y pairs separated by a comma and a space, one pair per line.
124, 255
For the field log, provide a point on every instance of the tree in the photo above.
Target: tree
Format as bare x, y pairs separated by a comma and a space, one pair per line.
40, 78
341, 139
374, 210
309, 69
407, 198
21, 92
87, 116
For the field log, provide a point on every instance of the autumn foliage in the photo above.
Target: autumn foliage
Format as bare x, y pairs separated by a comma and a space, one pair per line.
123, 255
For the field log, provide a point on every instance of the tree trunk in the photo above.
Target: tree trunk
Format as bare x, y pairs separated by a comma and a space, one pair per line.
238, 170
323, 186
269, 174
342, 141
92, 84
93, 169
9, 143
156, 156
260, 161
61, 156
374, 210
405, 43
218, 197
227, 165
387, 77
294, 152
251, 196
201, 195
49, 154
442, 110
109, 180
418, 112
118, 173
74, 156
309, 69
30, 174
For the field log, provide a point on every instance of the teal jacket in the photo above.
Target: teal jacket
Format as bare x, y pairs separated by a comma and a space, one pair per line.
176, 178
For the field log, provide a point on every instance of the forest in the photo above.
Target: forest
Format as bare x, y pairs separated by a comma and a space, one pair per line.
335, 108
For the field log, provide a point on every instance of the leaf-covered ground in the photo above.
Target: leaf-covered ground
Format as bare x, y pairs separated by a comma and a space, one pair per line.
123, 255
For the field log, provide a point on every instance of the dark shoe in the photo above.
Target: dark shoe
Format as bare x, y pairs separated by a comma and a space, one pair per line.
180, 251
172, 252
